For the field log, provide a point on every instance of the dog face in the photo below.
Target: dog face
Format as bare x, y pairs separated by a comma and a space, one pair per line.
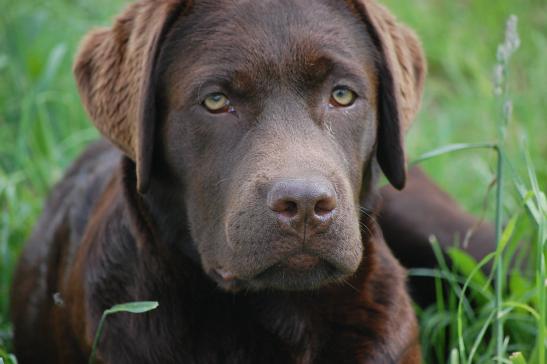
263, 117
271, 118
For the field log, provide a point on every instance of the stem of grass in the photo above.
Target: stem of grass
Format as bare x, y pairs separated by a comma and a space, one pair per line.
98, 335
540, 282
501, 88
499, 257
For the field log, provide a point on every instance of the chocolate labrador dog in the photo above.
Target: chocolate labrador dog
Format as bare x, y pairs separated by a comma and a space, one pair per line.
237, 188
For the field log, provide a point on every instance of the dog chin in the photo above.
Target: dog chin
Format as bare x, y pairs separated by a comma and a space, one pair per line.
282, 277
286, 277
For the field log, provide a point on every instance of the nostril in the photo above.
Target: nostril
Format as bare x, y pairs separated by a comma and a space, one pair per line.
325, 206
291, 208
286, 208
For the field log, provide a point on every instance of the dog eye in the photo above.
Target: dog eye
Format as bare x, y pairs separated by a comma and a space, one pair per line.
217, 103
342, 97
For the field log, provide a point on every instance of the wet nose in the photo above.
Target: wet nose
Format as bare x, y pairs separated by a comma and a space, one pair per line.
303, 203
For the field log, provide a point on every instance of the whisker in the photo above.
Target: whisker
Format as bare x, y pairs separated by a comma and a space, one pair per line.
346, 282
368, 214
366, 227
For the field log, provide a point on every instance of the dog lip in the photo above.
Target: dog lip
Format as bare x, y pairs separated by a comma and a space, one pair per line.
226, 280
225, 275
301, 261
287, 278
298, 260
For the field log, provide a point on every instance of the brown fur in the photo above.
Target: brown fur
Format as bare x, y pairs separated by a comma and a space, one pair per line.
182, 217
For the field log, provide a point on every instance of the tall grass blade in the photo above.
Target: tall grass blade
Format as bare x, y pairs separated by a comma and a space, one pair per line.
541, 274
517, 358
446, 149
131, 307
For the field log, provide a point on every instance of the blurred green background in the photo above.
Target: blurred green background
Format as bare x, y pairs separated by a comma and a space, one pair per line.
43, 126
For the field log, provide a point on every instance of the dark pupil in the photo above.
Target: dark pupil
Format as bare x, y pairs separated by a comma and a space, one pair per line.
217, 97
340, 93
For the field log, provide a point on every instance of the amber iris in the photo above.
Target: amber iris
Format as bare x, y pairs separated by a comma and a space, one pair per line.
342, 97
217, 103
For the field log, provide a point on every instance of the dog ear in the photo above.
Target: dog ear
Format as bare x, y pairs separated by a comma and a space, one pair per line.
401, 70
116, 78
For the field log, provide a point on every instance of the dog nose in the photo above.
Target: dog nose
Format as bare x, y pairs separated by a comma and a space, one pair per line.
303, 202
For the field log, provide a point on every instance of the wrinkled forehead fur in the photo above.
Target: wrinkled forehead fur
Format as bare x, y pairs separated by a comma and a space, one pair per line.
118, 70
252, 47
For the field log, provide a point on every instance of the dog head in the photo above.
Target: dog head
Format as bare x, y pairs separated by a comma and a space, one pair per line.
262, 121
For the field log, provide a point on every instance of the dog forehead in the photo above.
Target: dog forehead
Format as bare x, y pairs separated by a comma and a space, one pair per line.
272, 23
264, 38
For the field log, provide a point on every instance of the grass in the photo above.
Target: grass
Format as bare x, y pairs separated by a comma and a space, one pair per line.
43, 127
130, 307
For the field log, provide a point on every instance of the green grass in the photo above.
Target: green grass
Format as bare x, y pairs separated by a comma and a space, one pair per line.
130, 307
43, 127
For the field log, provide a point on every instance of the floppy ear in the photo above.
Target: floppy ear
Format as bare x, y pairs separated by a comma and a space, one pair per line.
116, 78
401, 72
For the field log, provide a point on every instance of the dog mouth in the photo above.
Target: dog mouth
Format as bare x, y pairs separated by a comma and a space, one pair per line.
286, 276
299, 271
301, 262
